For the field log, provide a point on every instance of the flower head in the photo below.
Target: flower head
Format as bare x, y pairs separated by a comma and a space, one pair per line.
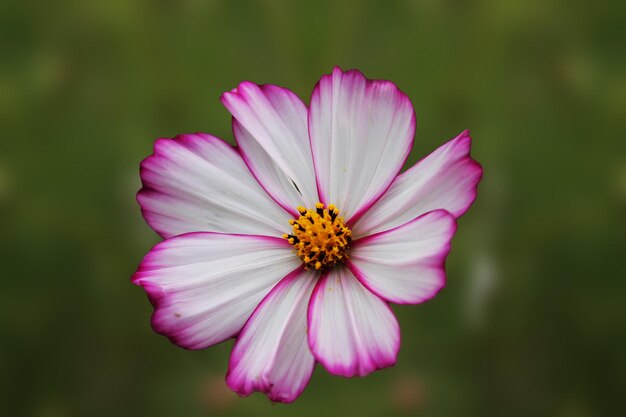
296, 240
320, 236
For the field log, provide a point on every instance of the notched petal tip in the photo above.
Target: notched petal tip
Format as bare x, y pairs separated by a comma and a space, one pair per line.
265, 388
241, 92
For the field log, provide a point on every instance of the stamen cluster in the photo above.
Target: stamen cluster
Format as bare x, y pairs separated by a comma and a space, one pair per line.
320, 236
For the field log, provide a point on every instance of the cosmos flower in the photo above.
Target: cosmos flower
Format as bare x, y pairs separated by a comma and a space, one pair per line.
296, 241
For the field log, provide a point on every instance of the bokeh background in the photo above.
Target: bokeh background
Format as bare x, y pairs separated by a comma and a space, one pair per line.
533, 320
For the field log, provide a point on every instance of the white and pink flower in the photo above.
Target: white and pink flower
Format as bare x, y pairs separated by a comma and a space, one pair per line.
296, 240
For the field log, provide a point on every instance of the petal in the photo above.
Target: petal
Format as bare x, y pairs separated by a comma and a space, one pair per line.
446, 179
351, 331
204, 286
405, 265
270, 126
361, 133
200, 183
272, 354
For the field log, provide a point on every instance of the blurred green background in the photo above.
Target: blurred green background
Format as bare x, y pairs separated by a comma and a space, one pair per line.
533, 320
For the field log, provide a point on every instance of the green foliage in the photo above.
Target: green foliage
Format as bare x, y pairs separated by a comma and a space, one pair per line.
532, 321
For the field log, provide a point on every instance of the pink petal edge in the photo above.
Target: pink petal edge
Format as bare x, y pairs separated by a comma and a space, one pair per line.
186, 140
440, 263
261, 385
475, 165
409, 145
459, 159
246, 159
382, 361
245, 92
158, 297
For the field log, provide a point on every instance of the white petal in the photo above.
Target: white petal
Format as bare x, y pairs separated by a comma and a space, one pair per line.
272, 354
446, 179
406, 264
270, 125
351, 331
204, 286
200, 183
361, 133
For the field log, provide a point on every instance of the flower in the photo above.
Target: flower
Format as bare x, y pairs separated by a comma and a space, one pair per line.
296, 241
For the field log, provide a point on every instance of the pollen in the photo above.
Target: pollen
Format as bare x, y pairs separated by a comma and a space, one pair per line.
320, 236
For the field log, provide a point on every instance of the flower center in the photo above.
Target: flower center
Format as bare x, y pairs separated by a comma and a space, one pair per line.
320, 236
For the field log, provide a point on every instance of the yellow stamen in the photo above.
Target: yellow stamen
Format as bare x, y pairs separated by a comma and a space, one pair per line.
320, 237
